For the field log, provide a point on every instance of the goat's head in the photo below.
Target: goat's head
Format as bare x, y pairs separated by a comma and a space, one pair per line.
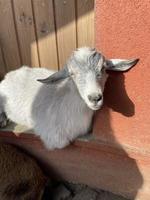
88, 69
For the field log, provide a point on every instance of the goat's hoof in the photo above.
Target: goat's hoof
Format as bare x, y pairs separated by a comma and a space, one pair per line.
3, 120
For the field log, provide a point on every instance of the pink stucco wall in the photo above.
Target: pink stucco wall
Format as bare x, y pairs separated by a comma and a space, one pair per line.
123, 31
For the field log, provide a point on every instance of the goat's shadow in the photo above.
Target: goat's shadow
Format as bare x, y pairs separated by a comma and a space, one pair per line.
117, 99
116, 96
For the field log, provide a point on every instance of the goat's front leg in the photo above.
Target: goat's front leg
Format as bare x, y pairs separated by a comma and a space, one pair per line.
55, 142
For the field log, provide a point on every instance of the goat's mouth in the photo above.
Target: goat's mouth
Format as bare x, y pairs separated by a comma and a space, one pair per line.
95, 106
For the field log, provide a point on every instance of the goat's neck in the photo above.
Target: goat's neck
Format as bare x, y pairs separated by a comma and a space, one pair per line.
80, 113
77, 100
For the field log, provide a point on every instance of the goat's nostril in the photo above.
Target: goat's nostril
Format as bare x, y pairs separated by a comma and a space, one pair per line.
99, 97
95, 98
90, 98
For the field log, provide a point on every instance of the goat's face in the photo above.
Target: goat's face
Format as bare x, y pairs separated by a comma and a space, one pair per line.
90, 85
88, 71
89, 74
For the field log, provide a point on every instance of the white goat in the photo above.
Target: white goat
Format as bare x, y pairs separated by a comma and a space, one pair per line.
61, 109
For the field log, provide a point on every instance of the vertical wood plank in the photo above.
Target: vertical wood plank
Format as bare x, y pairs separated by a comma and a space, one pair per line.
66, 28
2, 65
26, 32
8, 37
45, 28
85, 23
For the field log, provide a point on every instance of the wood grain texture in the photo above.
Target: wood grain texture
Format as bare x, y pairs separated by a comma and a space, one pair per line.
85, 23
45, 28
44, 32
26, 32
66, 28
8, 38
2, 65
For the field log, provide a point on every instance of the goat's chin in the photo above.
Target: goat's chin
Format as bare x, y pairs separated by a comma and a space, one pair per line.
95, 107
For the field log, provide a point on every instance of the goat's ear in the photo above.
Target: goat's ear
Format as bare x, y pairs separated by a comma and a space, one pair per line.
60, 75
120, 64
94, 58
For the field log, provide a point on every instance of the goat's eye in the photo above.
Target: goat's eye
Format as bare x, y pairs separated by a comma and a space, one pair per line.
103, 70
98, 75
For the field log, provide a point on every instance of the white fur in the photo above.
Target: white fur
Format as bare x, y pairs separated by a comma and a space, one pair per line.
82, 53
56, 118
93, 87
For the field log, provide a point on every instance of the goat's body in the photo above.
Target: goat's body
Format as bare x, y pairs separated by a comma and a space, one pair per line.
18, 90
56, 112
60, 106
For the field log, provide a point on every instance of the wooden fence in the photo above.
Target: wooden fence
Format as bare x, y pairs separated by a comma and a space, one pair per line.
43, 32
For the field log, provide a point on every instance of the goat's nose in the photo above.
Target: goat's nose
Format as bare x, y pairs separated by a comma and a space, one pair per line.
95, 98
